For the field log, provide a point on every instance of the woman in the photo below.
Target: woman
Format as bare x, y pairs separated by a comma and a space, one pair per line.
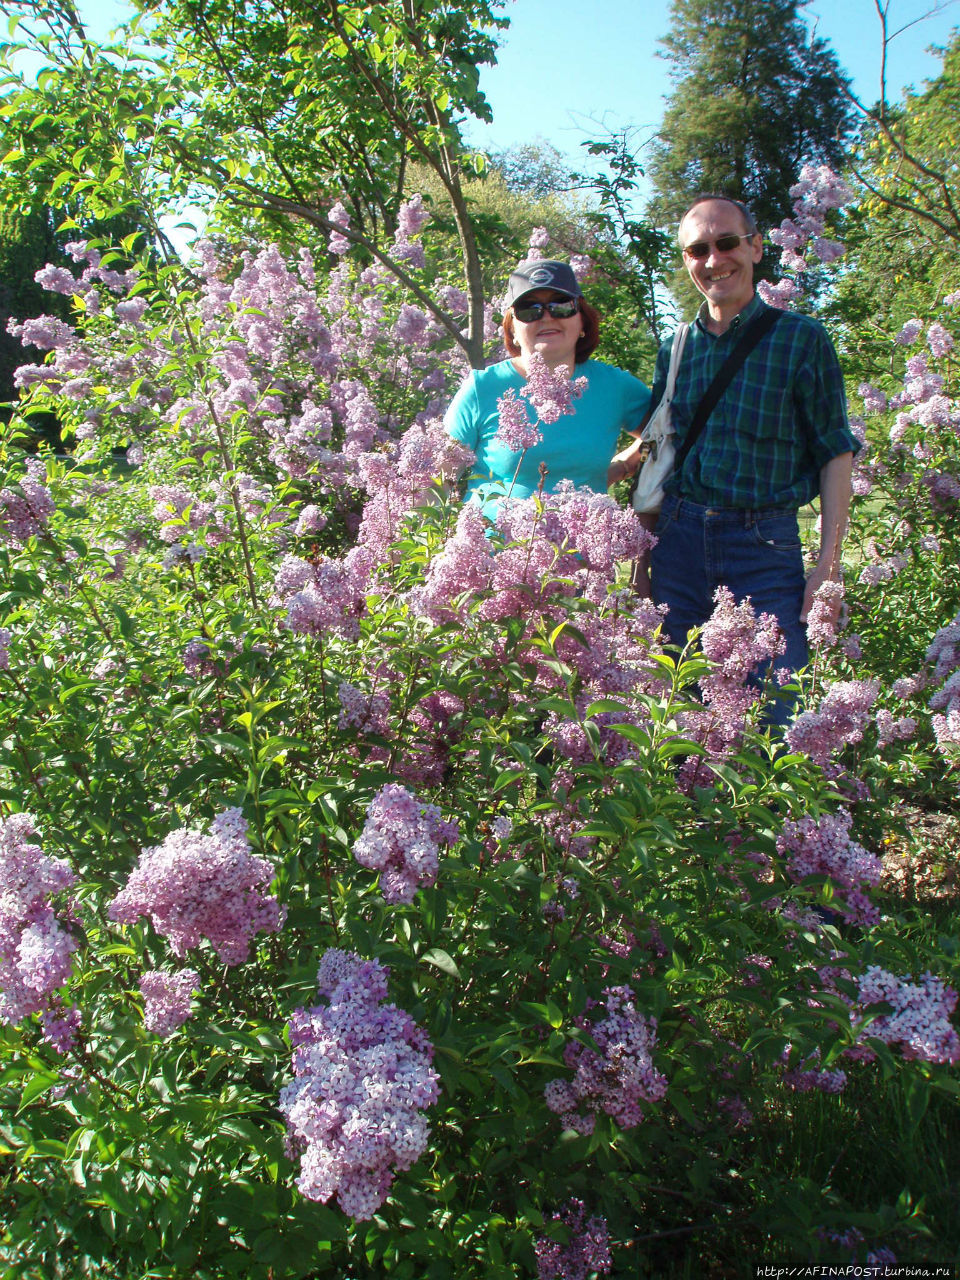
546, 313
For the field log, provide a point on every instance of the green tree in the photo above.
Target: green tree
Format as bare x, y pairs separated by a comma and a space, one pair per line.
754, 98
902, 236
271, 111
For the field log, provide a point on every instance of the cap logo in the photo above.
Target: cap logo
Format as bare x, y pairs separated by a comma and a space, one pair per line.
542, 275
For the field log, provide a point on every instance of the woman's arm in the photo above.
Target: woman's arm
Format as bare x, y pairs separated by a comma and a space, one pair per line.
626, 462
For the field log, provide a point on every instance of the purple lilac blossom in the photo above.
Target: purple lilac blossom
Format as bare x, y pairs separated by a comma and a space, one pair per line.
809, 1075
781, 295
363, 1079
194, 887
587, 1249
874, 401
338, 244
515, 431
939, 340
6, 635
909, 333
618, 1078
823, 847
839, 721
550, 391
821, 628
35, 949
25, 511
920, 1019
166, 999
401, 839
367, 712
328, 598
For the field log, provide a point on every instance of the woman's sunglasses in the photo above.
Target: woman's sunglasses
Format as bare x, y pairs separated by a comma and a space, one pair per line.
724, 243
563, 310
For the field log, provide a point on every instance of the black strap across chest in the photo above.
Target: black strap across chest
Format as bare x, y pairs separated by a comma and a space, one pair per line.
752, 335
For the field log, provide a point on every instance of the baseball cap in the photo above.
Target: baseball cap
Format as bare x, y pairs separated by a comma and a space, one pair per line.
541, 273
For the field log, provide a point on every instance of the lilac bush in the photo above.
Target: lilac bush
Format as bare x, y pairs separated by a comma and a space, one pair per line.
278, 694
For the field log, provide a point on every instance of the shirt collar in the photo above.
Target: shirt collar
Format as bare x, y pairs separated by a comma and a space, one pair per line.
742, 318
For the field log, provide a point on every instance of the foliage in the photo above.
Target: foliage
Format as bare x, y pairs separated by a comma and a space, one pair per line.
276, 112
26, 244
500, 833
901, 236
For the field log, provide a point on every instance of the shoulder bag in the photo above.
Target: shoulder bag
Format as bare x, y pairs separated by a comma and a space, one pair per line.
647, 495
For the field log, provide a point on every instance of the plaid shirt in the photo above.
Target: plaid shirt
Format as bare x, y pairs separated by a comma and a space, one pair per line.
779, 421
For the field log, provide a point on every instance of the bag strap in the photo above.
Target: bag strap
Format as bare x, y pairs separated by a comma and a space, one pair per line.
676, 353
753, 334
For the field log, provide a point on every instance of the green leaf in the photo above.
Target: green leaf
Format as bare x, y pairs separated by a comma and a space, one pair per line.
441, 960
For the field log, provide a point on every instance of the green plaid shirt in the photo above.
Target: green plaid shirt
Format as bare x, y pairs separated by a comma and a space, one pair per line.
779, 421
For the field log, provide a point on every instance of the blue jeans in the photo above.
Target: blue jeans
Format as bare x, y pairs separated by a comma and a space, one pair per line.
755, 553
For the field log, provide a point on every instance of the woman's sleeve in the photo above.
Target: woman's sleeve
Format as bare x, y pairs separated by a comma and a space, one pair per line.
462, 418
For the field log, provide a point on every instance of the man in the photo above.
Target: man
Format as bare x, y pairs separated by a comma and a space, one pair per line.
777, 437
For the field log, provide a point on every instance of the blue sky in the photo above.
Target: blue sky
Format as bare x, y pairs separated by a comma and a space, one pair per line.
567, 66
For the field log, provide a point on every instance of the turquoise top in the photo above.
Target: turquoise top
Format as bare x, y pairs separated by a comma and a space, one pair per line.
576, 447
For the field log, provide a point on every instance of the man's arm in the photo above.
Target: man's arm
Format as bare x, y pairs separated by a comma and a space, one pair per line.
834, 506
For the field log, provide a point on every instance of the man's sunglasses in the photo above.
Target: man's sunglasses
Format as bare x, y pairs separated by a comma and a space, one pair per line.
562, 310
701, 248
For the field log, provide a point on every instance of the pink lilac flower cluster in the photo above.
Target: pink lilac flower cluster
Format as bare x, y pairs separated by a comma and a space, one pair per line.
568, 543
539, 239
403, 476
166, 999
943, 656
818, 191
515, 430
909, 333
618, 1078
550, 391
362, 1080
809, 1075
823, 847
401, 839
35, 949
920, 1019
367, 712
412, 216
196, 659
894, 729
194, 887
586, 1252
822, 618
838, 722
6, 636
25, 511
338, 244
740, 644
325, 598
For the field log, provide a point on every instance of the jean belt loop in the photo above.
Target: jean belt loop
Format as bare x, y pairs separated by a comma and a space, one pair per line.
749, 518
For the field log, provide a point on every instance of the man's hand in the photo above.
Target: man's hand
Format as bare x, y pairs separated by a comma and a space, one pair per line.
834, 505
640, 579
